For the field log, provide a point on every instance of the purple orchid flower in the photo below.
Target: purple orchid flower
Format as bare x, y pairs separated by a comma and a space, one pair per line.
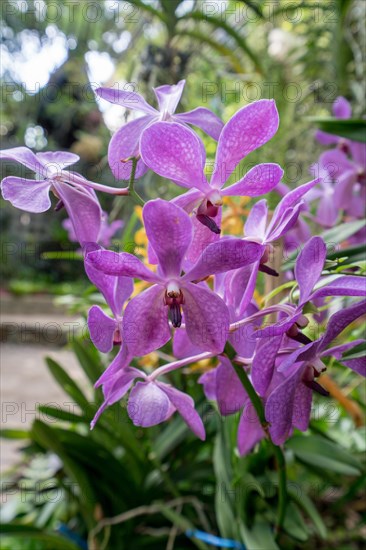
150, 402
169, 231
289, 404
342, 110
106, 233
125, 143
106, 331
73, 191
258, 229
175, 152
343, 187
308, 269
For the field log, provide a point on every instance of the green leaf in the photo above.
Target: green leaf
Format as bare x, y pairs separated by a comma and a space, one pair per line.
322, 453
68, 384
294, 524
61, 414
355, 353
89, 360
273, 293
49, 540
348, 128
223, 472
14, 433
47, 438
308, 506
260, 537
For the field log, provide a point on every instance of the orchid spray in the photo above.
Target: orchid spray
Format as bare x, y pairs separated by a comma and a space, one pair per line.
200, 291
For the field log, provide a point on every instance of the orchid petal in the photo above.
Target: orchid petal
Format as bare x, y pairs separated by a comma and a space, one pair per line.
342, 108
289, 200
185, 406
255, 225
123, 263
208, 381
169, 96
119, 364
346, 285
261, 179
169, 231
175, 152
204, 119
264, 363
340, 320
24, 156
309, 266
125, 143
58, 159
302, 407
145, 322
202, 237
129, 100
248, 129
148, 405
207, 318
230, 394
83, 209
250, 431
280, 406
182, 346
29, 195
224, 255
101, 329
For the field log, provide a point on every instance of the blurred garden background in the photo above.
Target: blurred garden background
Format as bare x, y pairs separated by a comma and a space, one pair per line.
62, 483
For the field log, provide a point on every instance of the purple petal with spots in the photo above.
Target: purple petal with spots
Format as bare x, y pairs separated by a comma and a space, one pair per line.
148, 405
145, 322
125, 143
345, 285
189, 200
224, 255
123, 263
337, 351
29, 195
169, 96
250, 431
340, 320
101, 329
182, 346
83, 209
248, 129
358, 365
116, 290
169, 231
280, 406
204, 119
289, 200
202, 237
261, 179
207, 318
302, 407
286, 223
176, 153
264, 363
185, 406
230, 394
255, 225
309, 266
128, 99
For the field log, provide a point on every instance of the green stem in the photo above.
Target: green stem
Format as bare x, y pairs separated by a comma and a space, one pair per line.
277, 451
131, 184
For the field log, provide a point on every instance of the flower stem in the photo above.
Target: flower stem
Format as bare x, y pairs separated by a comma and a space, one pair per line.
277, 451
131, 184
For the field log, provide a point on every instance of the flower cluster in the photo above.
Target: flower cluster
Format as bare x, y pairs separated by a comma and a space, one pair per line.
201, 287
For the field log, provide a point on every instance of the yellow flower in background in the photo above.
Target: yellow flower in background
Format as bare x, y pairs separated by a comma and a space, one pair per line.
234, 215
149, 362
